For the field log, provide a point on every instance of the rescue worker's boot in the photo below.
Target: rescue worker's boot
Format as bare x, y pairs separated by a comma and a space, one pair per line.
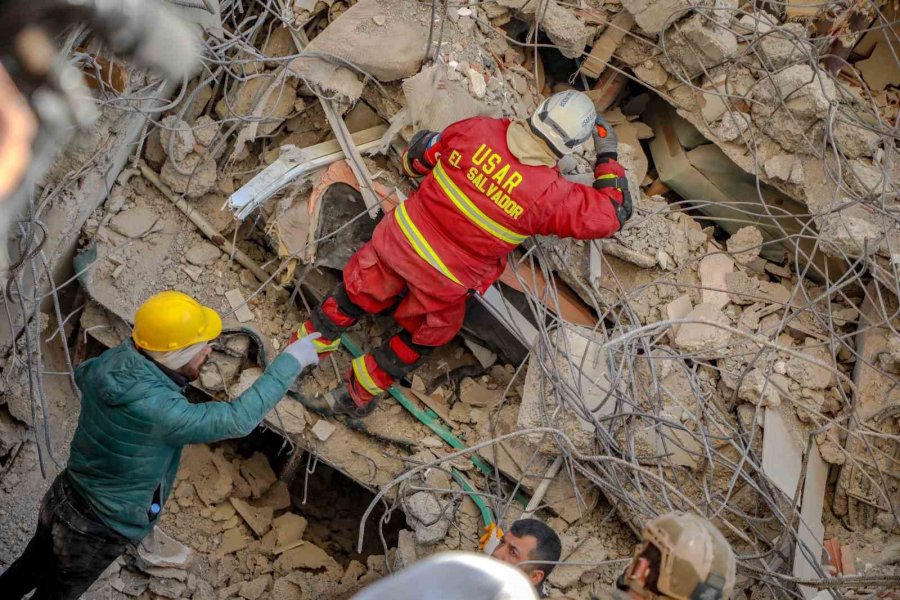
369, 378
331, 318
336, 402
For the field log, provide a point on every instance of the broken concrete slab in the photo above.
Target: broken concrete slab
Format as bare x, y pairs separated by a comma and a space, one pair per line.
579, 361
678, 309
167, 588
427, 517
712, 270
759, 389
308, 556
239, 305
782, 455
289, 528
565, 29
258, 473
388, 53
703, 335
809, 374
653, 16
743, 289
253, 590
811, 529
209, 472
259, 519
130, 583
486, 357
160, 550
697, 44
476, 395
193, 177
234, 539
176, 137
134, 222
588, 550
605, 45
745, 244
433, 101
202, 254
277, 498
323, 430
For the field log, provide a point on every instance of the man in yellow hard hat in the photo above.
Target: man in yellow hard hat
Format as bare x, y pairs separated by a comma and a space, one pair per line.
134, 422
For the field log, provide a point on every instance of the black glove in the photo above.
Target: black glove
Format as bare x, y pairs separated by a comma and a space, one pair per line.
415, 163
624, 210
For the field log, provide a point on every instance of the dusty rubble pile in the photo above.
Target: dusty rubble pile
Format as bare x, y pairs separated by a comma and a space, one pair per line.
233, 533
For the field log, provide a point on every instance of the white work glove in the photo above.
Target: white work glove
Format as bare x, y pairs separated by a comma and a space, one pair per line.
304, 351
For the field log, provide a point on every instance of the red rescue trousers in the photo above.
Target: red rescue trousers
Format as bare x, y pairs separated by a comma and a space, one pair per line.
429, 308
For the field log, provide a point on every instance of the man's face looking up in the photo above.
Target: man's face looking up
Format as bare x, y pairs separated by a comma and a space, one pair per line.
514, 550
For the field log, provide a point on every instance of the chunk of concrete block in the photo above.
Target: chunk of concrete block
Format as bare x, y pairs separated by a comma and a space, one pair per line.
202, 254
238, 304
653, 15
427, 517
712, 271
591, 550
811, 530
679, 308
323, 430
745, 244
782, 459
698, 44
581, 366
134, 222
704, 335
161, 550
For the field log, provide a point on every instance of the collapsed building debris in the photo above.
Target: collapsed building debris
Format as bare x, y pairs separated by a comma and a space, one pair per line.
732, 351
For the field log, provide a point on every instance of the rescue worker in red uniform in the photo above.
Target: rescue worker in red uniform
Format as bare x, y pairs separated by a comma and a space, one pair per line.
488, 185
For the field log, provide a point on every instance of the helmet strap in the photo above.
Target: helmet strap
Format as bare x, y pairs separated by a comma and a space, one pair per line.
711, 589
544, 139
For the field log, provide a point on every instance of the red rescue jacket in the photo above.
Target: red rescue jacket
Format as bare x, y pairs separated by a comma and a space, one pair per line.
479, 202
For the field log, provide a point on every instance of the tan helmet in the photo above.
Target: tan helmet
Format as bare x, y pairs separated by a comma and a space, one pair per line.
684, 557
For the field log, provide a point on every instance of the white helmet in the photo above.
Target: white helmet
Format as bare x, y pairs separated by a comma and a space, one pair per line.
564, 120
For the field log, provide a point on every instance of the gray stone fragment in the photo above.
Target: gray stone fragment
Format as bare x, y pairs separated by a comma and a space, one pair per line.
698, 44
167, 588
134, 222
202, 254
425, 515
176, 137
130, 583
652, 15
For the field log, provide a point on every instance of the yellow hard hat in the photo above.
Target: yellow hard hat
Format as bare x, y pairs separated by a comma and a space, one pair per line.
172, 320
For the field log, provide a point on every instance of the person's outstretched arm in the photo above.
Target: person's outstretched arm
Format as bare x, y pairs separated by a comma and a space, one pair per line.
182, 423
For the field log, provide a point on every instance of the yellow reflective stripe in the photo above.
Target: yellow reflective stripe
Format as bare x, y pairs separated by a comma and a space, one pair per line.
468, 208
609, 176
420, 244
363, 377
318, 344
323, 347
406, 168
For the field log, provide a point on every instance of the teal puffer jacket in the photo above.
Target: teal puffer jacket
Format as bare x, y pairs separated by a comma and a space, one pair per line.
134, 421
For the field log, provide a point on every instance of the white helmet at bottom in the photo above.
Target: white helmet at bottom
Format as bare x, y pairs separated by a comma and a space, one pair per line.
565, 120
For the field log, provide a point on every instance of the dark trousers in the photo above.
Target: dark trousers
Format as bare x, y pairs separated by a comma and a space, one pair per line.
68, 552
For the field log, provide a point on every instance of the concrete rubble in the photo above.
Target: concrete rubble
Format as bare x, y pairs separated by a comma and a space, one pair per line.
733, 350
